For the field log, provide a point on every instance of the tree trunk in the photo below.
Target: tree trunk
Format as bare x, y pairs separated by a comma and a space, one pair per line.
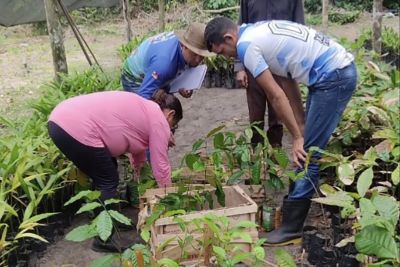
325, 7
161, 9
377, 27
127, 18
56, 37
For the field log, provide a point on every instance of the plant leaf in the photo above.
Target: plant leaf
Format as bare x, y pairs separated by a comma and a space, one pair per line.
88, 207
219, 140
165, 262
387, 207
259, 252
120, 217
87, 193
396, 175
240, 257
284, 259
327, 189
345, 241
376, 241
219, 252
215, 130
235, 178
346, 173
113, 201
105, 261
104, 225
31, 235
81, 233
364, 181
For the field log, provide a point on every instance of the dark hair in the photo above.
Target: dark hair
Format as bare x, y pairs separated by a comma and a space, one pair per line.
166, 100
215, 30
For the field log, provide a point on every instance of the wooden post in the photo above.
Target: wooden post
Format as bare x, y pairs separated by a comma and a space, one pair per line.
377, 27
161, 10
325, 6
56, 38
127, 18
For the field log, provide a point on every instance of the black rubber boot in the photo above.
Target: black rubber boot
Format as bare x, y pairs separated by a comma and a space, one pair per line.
294, 213
275, 134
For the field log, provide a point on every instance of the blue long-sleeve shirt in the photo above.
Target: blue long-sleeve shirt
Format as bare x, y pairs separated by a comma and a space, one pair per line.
155, 63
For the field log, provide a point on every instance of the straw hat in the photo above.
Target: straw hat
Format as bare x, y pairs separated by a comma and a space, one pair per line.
193, 38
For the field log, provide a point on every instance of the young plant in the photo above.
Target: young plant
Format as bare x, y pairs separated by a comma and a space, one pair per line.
102, 225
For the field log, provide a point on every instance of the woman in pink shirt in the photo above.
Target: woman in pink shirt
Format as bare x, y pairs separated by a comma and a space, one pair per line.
91, 130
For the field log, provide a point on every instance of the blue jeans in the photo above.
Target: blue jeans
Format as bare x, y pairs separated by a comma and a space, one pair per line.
326, 102
129, 82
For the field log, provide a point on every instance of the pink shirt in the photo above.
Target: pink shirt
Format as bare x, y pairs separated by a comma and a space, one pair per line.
122, 122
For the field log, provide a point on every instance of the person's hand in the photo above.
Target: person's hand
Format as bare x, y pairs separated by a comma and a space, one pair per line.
185, 93
171, 141
241, 77
299, 154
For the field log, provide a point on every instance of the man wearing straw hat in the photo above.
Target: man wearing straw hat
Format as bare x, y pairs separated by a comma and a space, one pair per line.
159, 59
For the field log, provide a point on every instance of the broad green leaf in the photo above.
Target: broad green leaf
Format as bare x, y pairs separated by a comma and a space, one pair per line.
235, 178
88, 207
219, 252
340, 199
165, 262
190, 159
364, 181
249, 133
197, 145
243, 236
105, 261
145, 235
215, 130
199, 166
396, 175
259, 252
246, 224
174, 212
219, 140
113, 201
376, 241
81, 233
281, 157
346, 173
387, 207
284, 259
327, 189
87, 193
240, 257
120, 217
104, 225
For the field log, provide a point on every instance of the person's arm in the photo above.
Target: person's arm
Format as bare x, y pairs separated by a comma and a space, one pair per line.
158, 144
158, 73
282, 107
292, 91
250, 54
137, 161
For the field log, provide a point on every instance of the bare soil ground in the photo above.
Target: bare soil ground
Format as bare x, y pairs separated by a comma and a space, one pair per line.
25, 64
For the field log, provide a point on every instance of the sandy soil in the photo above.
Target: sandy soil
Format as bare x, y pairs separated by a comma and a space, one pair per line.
25, 64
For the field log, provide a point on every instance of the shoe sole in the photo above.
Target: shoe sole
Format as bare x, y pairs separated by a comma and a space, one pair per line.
296, 241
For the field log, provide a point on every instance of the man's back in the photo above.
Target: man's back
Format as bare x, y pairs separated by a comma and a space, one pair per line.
289, 50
